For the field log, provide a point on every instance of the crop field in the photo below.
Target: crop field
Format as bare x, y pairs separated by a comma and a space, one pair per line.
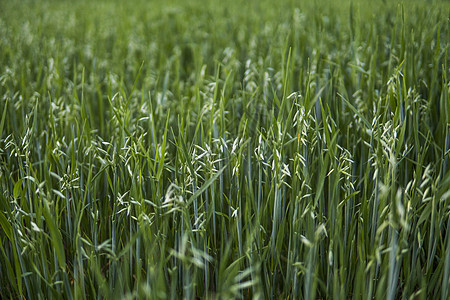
224, 149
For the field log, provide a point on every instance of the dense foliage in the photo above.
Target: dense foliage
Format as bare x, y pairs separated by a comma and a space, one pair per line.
224, 149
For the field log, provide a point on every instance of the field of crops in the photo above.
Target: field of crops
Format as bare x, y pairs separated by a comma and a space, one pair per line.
224, 149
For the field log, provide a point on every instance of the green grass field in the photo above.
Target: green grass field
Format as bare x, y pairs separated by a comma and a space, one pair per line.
224, 149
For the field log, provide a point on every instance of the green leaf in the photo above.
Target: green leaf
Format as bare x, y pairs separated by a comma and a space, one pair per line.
4, 223
2, 123
55, 235
17, 188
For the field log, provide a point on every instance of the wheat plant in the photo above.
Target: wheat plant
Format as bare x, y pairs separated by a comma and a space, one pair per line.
224, 149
